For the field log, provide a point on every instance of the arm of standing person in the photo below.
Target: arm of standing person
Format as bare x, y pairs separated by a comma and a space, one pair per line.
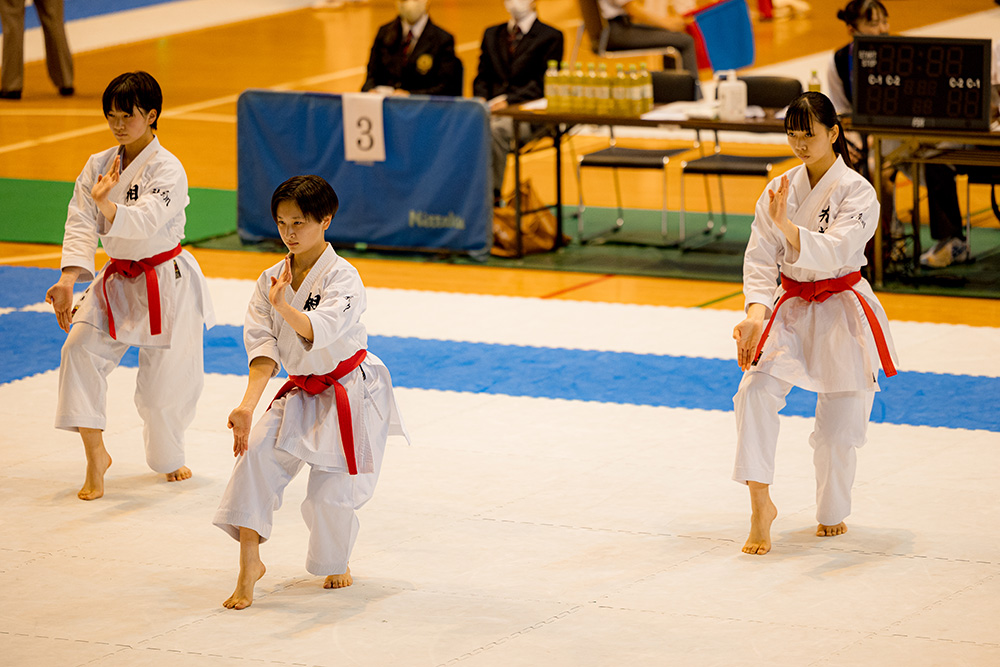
164, 196
241, 418
298, 320
80, 240
850, 229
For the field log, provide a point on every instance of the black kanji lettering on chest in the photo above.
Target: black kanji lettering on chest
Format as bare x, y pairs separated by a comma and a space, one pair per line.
348, 299
132, 194
312, 301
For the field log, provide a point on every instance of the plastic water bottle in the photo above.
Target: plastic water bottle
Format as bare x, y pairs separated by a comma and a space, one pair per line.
552, 87
576, 81
590, 90
635, 92
602, 93
647, 88
619, 92
814, 84
732, 98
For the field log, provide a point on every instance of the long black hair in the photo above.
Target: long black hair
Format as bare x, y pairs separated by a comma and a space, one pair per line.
134, 89
312, 194
816, 107
856, 10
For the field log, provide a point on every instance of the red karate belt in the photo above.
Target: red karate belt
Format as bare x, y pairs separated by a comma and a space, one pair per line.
317, 384
820, 291
132, 269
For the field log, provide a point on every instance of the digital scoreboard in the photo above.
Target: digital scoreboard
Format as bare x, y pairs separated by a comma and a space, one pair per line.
921, 82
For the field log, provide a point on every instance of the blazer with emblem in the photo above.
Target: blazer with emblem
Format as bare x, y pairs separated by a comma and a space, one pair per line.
520, 76
432, 67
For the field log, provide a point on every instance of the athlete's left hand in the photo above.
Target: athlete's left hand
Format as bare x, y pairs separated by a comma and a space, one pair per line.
105, 182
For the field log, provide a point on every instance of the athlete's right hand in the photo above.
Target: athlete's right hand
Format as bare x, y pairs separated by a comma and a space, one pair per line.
240, 421
747, 334
60, 296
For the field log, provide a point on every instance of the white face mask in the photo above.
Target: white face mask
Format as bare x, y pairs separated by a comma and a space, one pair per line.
518, 9
411, 10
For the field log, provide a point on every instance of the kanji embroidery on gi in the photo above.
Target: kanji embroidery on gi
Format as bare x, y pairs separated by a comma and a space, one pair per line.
348, 298
824, 219
312, 301
132, 194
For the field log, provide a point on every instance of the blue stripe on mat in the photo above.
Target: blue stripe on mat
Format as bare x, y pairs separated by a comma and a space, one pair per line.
83, 9
32, 342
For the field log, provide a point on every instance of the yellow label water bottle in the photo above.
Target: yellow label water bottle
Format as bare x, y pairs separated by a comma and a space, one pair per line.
634, 92
619, 92
603, 91
647, 88
576, 81
814, 85
551, 86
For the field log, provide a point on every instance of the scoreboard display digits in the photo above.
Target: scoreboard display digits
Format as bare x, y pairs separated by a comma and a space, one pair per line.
921, 82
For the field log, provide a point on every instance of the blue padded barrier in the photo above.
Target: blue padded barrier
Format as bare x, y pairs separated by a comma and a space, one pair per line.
433, 192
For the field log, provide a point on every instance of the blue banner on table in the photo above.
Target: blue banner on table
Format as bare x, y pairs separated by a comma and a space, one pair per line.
432, 192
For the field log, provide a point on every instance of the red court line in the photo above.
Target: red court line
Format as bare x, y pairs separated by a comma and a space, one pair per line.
565, 290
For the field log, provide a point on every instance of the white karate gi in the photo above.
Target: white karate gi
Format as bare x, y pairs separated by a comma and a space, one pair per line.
151, 194
303, 428
826, 347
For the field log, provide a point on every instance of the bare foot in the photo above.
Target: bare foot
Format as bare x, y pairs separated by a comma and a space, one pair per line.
830, 531
93, 483
250, 574
181, 473
761, 518
339, 580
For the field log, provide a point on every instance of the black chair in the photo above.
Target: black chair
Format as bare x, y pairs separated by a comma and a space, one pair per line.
667, 87
774, 92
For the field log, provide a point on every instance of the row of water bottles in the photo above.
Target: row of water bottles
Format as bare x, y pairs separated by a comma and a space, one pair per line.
594, 91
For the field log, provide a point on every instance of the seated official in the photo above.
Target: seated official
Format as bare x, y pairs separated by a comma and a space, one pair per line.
512, 67
632, 26
412, 55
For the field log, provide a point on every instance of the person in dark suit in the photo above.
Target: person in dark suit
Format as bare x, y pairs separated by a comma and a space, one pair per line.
512, 70
413, 55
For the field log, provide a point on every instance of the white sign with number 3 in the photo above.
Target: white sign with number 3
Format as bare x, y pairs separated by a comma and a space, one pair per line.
364, 136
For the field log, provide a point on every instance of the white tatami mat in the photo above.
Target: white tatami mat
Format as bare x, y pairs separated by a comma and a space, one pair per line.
514, 531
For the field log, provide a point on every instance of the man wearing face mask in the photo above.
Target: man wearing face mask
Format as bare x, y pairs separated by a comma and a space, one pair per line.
412, 55
512, 70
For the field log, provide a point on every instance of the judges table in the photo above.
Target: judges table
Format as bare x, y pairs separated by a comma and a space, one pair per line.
559, 123
919, 147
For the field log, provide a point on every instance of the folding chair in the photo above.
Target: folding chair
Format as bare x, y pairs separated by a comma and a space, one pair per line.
667, 87
764, 91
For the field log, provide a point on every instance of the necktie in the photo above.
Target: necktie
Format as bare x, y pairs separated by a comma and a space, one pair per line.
408, 43
515, 37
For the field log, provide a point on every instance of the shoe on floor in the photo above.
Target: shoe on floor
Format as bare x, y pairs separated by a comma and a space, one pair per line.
10, 94
67, 91
945, 253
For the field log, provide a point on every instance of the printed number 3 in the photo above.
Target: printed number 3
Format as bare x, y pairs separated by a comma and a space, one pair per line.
366, 140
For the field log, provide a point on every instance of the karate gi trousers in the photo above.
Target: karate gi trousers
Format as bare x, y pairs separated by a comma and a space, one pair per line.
167, 388
332, 498
840, 428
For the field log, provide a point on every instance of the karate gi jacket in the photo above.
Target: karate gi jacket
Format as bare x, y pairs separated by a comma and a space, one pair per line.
521, 76
432, 67
333, 297
819, 346
152, 193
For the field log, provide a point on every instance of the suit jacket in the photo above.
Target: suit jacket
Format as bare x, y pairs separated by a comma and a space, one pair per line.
432, 67
522, 76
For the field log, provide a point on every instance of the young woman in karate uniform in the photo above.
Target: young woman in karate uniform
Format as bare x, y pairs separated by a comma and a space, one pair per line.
151, 294
335, 412
827, 333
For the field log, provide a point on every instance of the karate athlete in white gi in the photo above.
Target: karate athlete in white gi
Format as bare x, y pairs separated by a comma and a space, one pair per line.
151, 294
335, 412
827, 332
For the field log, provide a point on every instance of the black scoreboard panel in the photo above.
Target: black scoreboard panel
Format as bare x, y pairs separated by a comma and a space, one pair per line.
921, 82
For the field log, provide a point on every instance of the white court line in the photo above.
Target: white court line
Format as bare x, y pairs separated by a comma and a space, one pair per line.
30, 258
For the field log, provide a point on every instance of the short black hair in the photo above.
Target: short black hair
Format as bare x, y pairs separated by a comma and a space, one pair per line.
134, 89
313, 195
812, 106
856, 10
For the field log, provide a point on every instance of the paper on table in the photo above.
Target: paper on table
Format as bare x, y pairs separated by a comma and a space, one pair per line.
676, 111
536, 105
